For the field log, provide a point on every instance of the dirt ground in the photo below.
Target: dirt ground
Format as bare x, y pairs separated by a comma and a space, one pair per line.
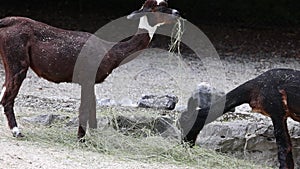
154, 72
17, 154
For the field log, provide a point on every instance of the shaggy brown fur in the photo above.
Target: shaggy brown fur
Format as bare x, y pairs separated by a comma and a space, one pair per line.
52, 54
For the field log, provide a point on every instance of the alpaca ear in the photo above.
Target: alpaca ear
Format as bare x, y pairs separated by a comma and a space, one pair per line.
138, 13
135, 14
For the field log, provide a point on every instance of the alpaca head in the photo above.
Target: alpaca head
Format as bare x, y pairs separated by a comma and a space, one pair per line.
155, 13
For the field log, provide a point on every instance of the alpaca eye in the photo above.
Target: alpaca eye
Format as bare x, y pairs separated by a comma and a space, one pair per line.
153, 5
163, 4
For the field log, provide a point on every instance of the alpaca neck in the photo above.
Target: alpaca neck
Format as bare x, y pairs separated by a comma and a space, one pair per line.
144, 24
128, 50
123, 52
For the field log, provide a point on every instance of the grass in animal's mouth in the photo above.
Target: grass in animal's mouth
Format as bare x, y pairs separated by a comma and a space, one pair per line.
176, 35
152, 148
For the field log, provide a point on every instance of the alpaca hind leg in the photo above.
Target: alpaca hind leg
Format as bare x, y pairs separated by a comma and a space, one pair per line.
285, 155
277, 113
15, 60
10, 90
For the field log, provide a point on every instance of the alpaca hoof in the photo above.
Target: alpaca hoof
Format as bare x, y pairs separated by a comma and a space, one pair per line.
81, 140
16, 132
18, 135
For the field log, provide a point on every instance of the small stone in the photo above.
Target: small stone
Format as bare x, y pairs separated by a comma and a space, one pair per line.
106, 102
166, 102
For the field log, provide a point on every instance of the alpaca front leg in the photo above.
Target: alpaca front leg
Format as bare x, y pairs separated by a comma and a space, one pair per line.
87, 110
92, 112
83, 118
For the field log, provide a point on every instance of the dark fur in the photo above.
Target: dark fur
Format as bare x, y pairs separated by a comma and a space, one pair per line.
274, 93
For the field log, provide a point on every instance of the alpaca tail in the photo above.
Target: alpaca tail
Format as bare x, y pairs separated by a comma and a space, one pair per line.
2, 23
8, 21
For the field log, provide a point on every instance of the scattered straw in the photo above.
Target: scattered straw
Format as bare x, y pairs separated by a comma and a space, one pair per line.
152, 148
174, 51
176, 35
149, 149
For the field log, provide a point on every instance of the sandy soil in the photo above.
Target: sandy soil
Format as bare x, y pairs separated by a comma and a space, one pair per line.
17, 154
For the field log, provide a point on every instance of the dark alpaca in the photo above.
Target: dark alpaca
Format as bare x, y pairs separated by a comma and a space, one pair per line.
52, 54
274, 93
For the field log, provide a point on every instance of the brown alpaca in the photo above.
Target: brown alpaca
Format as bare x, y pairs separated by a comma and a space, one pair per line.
274, 93
52, 53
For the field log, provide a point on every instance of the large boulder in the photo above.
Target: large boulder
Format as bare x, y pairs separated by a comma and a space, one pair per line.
102, 122
249, 136
143, 126
136, 125
45, 119
124, 102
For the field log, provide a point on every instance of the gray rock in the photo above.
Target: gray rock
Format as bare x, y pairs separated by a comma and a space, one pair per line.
167, 102
45, 119
124, 102
73, 122
166, 128
136, 125
144, 126
251, 139
180, 108
106, 102
127, 102
102, 122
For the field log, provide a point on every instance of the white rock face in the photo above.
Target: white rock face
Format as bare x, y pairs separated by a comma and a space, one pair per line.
249, 136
